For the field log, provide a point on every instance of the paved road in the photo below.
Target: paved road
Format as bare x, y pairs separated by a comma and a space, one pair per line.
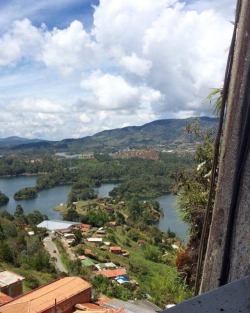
52, 249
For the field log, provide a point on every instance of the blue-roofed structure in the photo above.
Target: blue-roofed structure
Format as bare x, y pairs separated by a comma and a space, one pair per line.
57, 225
122, 279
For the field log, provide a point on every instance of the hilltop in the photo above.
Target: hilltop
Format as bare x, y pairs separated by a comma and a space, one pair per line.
167, 133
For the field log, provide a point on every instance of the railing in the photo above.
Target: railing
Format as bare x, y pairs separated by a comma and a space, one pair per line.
231, 298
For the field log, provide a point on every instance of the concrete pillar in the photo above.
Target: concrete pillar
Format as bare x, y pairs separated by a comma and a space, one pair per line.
239, 259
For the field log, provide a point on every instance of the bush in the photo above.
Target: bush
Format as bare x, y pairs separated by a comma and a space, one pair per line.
31, 281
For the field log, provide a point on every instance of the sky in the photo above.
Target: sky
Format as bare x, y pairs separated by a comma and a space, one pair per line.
72, 68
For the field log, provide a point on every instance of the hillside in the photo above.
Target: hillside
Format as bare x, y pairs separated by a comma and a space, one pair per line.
169, 133
15, 140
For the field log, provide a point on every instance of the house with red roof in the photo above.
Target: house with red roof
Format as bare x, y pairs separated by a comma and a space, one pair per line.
115, 250
112, 274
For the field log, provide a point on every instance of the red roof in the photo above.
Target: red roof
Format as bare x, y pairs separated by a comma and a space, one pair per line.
115, 248
81, 257
4, 298
113, 273
44, 297
87, 251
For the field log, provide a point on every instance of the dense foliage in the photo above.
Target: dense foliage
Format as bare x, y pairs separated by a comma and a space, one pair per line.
193, 189
142, 178
82, 190
139, 178
26, 193
3, 198
13, 165
22, 252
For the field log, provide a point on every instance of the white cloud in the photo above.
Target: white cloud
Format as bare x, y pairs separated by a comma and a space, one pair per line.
185, 48
142, 60
22, 41
135, 65
113, 92
110, 92
69, 49
84, 118
65, 50
32, 105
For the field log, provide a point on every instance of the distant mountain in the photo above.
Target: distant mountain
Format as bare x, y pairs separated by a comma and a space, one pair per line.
167, 132
15, 140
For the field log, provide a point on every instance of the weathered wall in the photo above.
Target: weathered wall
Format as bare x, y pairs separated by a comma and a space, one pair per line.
236, 112
13, 290
68, 305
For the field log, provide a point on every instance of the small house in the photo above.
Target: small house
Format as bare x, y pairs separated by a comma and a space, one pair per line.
101, 231
69, 238
94, 240
89, 263
112, 274
11, 284
115, 250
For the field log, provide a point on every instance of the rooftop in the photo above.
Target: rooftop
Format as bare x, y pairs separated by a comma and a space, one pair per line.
92, 239
56, 225
44, 297
115, 248
88, 262
7, 278
132, 306
113, 273
4, 298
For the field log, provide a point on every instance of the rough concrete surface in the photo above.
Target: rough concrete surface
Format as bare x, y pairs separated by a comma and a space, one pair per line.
231, 298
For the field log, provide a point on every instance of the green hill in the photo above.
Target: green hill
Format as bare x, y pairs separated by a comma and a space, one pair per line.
167, 132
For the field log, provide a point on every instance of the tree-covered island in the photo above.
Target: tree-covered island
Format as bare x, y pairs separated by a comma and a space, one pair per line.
26, 193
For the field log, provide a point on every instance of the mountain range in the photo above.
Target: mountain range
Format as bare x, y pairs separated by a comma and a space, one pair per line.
168, 133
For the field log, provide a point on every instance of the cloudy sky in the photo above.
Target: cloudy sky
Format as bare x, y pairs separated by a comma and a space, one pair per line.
71, 68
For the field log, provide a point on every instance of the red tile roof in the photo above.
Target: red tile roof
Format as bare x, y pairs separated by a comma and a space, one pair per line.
115, 248
4, 298
44, 297
113, 273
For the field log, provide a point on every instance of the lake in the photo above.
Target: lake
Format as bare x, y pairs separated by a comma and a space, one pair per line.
170, 219
48, 199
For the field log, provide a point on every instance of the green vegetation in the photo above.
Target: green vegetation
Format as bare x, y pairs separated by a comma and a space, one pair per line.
74, 267
150, 265
169, 133
26, 193
193, 189
139, 178
13, 165
3, 198
81, 190
24, 253
151, 262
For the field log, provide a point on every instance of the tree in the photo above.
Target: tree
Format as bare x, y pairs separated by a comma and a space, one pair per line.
3, 198
36, 217
193, 189
78, 235
71, 215
19, 211
6, 253
26, 193
152, 253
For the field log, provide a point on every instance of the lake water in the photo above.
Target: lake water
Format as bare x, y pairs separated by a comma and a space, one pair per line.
48, 199
170, 219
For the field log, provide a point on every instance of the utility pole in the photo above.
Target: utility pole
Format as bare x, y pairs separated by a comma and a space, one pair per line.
228, 251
